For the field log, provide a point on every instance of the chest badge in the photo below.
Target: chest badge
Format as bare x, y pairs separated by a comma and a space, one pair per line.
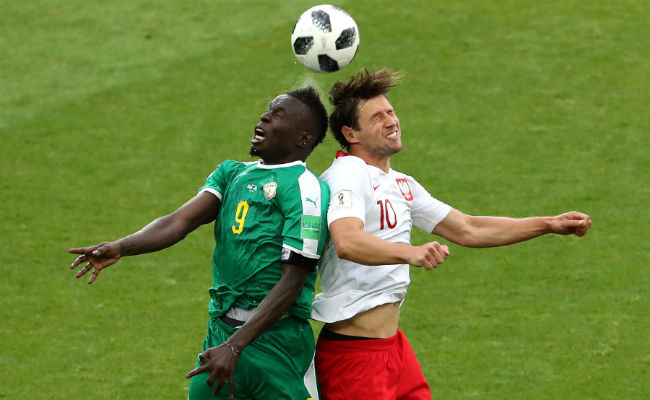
270, 189
404, 188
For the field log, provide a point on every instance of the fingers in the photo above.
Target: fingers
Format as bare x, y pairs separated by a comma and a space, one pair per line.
219, 386
584, 228
82, 258
83, 250
94, 275
217, 374
87, 268
438, 253
431, 255
574, 222
83, 254
199, 370
84, 270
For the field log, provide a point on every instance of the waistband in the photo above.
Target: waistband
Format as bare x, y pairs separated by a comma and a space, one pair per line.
359, 345
235, 317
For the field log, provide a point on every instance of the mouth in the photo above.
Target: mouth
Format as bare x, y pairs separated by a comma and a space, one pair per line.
392, 136
259, 136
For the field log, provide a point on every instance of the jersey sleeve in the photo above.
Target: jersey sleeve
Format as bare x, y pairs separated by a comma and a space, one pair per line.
304, 233
350, 190
427, 211
218, 180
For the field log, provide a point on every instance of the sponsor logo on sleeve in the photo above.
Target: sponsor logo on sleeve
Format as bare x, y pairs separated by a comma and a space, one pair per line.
285, 254
342, 199
310, 227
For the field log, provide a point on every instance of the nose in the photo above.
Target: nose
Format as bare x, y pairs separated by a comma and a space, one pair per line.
391, 121
266, 117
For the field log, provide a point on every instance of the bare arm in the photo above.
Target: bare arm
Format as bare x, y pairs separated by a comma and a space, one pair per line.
157, 235
221, 361
354, 244
472, 231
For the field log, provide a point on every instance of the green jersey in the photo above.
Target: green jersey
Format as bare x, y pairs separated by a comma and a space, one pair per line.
268, 214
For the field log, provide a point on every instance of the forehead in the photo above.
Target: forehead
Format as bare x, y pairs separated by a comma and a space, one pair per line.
286, 102
374, 105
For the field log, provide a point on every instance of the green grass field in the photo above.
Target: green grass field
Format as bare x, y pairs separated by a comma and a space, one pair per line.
113, 113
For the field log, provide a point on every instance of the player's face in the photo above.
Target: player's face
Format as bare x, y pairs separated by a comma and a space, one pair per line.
379, 131
280, 128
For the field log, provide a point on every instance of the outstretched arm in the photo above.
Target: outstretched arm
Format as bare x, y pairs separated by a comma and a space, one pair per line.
354, 244
220, 361
157, 235
472, 231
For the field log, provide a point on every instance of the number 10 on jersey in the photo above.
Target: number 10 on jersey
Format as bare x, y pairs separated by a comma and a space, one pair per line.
385, 214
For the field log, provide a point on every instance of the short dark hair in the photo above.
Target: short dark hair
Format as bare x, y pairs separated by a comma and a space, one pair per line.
347, 97
311, 99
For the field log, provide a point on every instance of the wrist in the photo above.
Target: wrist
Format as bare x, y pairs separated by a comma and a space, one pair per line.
404, 253
234, 348
123, 247
548, 225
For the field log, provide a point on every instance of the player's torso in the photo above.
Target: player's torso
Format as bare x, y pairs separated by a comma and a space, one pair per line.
388, 209
248, 209
249, 229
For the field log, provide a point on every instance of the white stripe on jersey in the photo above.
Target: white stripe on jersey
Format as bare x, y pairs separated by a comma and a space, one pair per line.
311, 206
214, 192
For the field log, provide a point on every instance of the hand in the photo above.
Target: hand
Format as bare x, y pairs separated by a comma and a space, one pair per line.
98, 257
220, 362
571, 223
429, 255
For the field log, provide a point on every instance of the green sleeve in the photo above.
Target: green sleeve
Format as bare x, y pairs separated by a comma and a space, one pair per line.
217, 182
305, 220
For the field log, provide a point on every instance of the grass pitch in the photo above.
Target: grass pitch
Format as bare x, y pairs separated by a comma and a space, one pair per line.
113, 113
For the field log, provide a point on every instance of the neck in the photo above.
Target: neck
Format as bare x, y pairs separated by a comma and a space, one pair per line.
381, 162
283, 160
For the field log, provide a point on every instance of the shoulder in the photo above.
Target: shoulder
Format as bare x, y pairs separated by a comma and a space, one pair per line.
306, 180
232, 166
349, 168
344, 163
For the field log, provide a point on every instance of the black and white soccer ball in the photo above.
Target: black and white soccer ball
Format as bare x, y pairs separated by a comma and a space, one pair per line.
325, 38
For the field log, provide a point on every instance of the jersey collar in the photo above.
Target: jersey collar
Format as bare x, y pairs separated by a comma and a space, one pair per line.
273, 166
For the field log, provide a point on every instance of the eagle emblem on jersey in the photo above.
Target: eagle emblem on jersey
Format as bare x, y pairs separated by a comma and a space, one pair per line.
404, 187
270, 189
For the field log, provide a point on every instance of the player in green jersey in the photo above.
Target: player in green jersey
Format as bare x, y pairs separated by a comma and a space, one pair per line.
270, 229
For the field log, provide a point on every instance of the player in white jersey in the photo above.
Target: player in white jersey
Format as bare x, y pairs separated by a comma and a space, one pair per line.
361, 353
389, 205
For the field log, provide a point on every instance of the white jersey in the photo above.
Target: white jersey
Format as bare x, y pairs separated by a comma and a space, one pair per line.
389, 204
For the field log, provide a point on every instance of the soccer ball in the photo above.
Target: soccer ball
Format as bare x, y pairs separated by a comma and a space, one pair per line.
325, 38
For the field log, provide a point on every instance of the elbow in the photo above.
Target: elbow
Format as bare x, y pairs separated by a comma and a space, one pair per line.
468, 233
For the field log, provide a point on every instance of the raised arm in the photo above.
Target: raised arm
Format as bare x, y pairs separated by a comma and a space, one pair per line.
157, 235
354, 244
473, 231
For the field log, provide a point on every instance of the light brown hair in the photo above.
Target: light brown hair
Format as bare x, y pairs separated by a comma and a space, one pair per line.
347, 98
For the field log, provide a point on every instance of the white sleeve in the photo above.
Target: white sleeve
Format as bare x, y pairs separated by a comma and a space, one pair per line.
350, 188
427, 211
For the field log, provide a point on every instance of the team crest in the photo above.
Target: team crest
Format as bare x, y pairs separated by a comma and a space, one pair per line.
404, 188
270, 190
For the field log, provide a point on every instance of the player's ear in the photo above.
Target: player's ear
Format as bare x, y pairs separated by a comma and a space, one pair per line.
349, 134
305, 139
